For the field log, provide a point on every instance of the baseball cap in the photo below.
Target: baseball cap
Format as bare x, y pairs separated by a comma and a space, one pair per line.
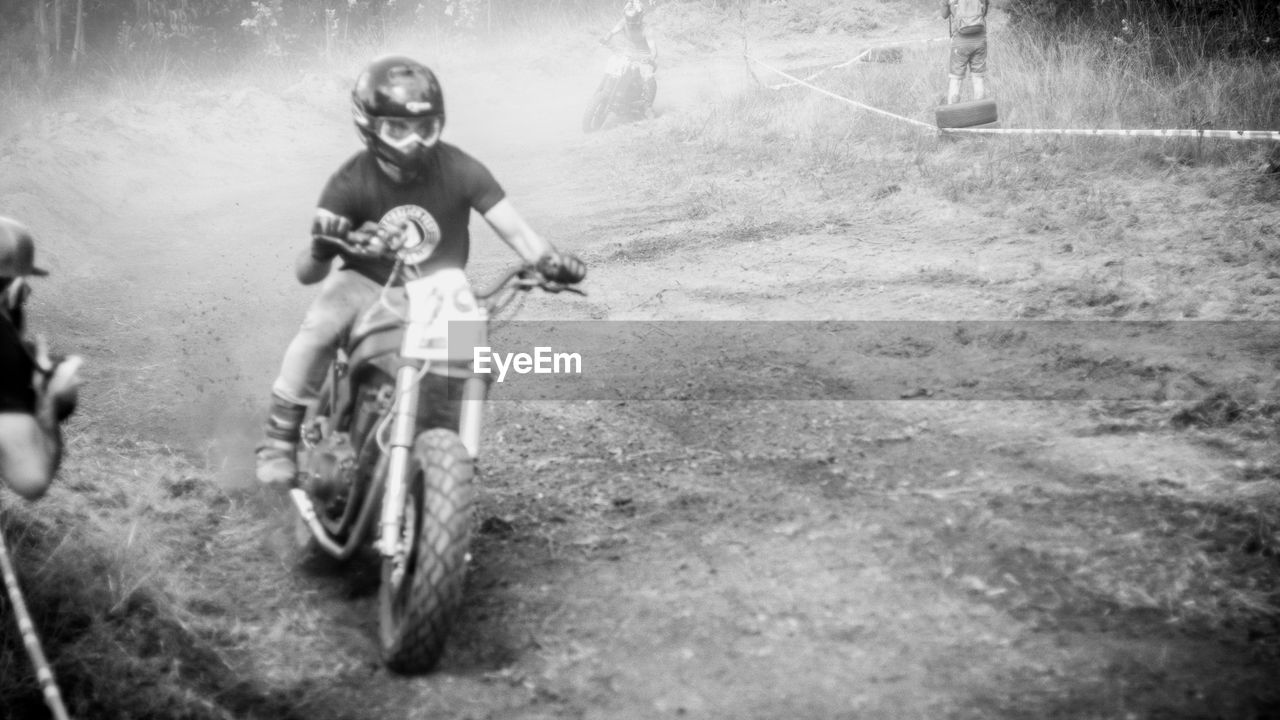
17, 250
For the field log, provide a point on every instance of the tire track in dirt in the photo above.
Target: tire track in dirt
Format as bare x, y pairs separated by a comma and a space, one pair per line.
755, 560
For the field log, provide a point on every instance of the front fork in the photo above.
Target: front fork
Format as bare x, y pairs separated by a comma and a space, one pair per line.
404, 430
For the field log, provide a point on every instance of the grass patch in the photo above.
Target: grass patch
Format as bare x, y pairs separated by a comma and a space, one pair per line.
108, 565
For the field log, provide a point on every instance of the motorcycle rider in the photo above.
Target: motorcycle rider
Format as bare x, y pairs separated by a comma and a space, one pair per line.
640, 42
405, 174
36, 392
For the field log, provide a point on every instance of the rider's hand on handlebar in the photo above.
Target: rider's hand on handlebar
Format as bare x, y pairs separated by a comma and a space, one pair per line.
562, 268
369, 240
327, 224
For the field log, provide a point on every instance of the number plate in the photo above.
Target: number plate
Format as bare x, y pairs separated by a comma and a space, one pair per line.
446, 323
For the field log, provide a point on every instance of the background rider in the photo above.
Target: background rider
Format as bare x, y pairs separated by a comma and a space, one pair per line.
639, 42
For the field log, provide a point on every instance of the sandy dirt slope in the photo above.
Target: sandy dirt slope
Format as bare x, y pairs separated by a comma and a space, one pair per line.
645, 557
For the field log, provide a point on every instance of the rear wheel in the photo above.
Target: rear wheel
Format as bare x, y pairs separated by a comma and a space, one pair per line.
422, 592
597, 111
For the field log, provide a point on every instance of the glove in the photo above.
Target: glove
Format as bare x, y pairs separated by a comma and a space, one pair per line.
562, 268
331, 224
322, 251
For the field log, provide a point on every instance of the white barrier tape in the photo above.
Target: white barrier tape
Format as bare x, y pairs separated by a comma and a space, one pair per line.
841, 98
859, 57
1227, 134
1167, 133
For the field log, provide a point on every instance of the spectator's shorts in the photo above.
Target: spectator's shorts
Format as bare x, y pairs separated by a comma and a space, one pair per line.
968, 53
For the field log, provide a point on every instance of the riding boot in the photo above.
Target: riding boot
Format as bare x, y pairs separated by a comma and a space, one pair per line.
953, 91
979, 88
650, 93
277, 456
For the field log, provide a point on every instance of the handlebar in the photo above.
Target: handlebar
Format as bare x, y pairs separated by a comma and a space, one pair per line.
524, 278
630, 53
357, 245
520, 278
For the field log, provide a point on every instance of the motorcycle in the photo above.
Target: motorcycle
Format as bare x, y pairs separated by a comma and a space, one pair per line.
620, 93
382, 460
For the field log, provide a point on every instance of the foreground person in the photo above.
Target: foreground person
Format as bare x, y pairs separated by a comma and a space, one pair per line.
36, 392
405, 174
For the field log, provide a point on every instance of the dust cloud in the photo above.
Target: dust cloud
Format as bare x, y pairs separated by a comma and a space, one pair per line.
170, 220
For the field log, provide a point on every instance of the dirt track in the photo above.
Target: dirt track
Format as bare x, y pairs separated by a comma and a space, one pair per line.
659, 558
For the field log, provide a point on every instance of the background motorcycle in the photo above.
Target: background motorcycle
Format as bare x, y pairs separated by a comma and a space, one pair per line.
381, 443
620, 93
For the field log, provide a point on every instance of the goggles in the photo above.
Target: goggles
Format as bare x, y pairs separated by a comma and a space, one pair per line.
405, 133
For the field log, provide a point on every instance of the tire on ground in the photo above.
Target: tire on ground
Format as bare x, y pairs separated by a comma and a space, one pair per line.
414, 626
597, 111
970, 113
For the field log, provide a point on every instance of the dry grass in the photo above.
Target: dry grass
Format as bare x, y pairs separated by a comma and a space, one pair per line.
1202, 205
109, 564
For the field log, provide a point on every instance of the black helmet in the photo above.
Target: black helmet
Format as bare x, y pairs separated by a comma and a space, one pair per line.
633, 12
399, 111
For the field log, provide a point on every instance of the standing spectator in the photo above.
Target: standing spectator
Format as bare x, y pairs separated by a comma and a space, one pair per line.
967, 20
36, 393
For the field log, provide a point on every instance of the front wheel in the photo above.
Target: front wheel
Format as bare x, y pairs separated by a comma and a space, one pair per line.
422, 591
597, 111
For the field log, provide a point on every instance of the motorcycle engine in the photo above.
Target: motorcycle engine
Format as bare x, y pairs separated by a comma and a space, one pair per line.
329, 467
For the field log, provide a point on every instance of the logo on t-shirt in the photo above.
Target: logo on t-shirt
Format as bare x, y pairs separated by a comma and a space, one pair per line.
422, 232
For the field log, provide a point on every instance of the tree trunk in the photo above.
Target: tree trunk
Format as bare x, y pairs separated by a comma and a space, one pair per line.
57, 28
77, 46
42, 39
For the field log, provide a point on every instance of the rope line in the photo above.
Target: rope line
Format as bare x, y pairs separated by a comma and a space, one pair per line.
841, 98
1168, 133
1164, 133
44, 675
859, 58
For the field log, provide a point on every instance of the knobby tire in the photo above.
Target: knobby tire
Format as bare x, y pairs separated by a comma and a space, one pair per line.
597, 111
415, 619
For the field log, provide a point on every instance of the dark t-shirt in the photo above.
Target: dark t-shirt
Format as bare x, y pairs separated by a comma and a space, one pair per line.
16, 368
635, 35
438, 203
